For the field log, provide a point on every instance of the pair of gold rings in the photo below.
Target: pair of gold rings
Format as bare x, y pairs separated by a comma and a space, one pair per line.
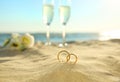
68, 57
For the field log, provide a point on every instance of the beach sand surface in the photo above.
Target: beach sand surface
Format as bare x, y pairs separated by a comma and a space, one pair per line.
98, 61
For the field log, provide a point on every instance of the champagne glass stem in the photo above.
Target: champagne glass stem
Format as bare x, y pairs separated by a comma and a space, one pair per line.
64, 34
48, 34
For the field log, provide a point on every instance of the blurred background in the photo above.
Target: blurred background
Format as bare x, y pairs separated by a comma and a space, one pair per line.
89, 19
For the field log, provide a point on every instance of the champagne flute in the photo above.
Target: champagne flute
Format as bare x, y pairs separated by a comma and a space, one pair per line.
48, 13
64, 12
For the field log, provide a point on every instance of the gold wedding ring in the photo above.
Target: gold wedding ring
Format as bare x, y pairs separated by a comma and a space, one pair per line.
68, 57
62, 53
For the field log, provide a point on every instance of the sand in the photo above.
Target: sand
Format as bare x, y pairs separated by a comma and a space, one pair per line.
98, 61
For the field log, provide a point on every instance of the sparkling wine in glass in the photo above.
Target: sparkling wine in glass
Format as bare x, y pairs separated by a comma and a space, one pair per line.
64, 12
48, 13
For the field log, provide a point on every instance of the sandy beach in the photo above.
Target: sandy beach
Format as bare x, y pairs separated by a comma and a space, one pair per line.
98, 61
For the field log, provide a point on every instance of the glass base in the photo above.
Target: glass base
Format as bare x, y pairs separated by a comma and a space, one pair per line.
63, 45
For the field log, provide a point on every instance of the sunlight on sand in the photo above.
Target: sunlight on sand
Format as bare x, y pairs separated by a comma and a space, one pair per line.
107, 35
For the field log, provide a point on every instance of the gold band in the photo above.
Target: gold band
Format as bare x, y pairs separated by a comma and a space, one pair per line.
68, 56
76, 58
65, 52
